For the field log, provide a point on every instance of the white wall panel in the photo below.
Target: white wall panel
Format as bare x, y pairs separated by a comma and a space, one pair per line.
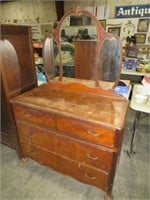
45, 11
28, 12
110, 3
8, 13
24, 12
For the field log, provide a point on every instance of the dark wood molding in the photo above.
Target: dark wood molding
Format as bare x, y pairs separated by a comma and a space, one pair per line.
59, 9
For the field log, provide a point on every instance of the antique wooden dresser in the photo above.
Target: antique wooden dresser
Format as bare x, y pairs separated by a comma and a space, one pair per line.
73, 129
73, 126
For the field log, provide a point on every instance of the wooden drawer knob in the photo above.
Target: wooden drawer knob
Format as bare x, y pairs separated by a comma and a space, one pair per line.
92, 157
90, 177
27, 114
93, 134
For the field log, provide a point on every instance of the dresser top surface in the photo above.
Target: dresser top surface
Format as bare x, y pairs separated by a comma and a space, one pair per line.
101, 109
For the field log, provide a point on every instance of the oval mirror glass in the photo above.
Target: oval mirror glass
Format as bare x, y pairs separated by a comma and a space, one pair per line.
109, 61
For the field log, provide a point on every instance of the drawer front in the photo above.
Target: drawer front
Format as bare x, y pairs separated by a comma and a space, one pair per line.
68, 147
76, 128
87, 131
34, 116
69, 167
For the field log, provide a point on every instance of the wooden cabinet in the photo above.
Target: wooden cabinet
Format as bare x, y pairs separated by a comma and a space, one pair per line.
21, 39
84, 58
76, 132
17, 74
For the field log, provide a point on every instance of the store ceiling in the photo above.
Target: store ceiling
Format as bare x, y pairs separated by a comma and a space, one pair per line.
4, 1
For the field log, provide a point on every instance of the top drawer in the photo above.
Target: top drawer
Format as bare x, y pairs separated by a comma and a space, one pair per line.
87, 131
77, 128
35, 116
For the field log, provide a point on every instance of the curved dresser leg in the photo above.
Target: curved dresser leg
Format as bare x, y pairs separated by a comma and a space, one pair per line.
24, 160
108, 196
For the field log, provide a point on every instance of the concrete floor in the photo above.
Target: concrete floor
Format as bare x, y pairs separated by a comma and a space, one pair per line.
31, 181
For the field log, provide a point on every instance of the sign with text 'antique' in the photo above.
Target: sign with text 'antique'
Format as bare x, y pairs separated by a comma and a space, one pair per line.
132, 11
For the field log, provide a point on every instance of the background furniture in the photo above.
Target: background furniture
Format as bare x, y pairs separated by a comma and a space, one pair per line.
88, 51
140, 106
132, 75
18, 74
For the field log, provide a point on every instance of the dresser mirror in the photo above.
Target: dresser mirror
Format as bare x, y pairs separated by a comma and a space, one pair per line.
109, 61
81, 26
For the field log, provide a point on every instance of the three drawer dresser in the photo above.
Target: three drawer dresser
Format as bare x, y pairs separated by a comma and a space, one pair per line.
74, 129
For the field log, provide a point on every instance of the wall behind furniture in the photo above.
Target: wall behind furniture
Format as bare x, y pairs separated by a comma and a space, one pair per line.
28, 12
36, 13
108, 6
45, 11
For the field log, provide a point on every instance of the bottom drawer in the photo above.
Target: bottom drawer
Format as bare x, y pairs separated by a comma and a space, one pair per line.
66, 166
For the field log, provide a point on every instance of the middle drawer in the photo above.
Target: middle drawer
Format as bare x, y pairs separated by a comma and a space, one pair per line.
66, 146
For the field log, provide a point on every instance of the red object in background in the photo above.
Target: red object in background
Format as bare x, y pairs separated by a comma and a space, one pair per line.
147, 79
37, 45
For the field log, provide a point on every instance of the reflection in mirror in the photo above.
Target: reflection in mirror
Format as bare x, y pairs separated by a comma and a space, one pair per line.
67, 55
109, 61
73, 28
78, 27
48, 55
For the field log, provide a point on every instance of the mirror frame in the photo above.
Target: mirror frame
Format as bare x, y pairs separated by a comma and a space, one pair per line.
102, 36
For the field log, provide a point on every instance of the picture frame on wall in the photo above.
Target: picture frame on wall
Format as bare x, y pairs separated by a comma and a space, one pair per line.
45, 29
143, 25
81, 20
114, 30
103, 23
140, 38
